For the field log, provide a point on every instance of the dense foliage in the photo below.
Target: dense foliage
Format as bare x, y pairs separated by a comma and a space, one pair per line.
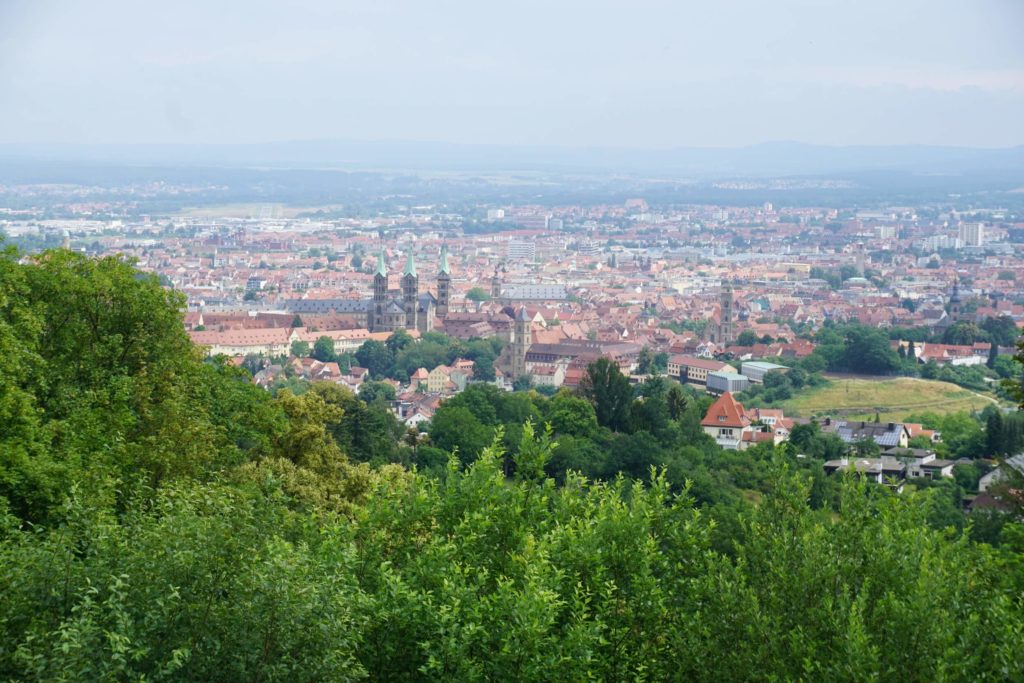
162, 518
399, 357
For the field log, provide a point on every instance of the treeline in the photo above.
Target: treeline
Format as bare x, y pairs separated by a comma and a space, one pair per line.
398, 357
856, 348
162, 518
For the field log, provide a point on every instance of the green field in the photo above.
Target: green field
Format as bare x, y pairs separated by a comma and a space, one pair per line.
894, 399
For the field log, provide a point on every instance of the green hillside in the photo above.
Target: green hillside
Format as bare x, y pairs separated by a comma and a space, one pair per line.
893, 399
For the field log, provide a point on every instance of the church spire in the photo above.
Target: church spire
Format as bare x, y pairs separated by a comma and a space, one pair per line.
382, 265
444, 261
410, 264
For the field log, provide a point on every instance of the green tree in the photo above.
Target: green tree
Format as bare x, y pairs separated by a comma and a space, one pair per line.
568, 414
300, 349
867, 350
1001, 330
609, 391
963, 333
375, 357
323, 349
372, 392
478, 294
746, 338
483, 369
676, 402
456, 429
644, 361
398, 341
994, 437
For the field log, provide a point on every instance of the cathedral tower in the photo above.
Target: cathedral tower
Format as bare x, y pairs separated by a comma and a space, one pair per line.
410, 292
380, 294
444, 282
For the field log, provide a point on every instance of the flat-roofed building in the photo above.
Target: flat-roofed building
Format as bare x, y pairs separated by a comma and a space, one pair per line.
755, 370
693, 370
721, 382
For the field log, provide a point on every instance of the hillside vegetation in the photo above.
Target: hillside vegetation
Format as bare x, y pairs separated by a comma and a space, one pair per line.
163, 519
894, 399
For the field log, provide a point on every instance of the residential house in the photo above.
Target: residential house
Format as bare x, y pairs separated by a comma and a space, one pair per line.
922, 462
726, 422
885, 434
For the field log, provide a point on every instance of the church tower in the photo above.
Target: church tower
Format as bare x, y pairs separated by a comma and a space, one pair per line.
726, 335
495, 285
380, 294
954, 301
521, 342
410, 292
444, 283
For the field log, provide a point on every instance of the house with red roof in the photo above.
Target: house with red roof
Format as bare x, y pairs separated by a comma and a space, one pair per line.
727, 423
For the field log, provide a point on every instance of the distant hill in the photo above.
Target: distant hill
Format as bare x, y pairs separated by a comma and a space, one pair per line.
773, 158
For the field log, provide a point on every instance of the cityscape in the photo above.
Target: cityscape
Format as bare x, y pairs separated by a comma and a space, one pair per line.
712, 296
574, 341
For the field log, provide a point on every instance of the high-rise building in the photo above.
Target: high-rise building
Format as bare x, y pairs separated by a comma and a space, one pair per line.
522, 249
972, 234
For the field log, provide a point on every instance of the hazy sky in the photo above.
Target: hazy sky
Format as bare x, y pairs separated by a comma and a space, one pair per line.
634, 73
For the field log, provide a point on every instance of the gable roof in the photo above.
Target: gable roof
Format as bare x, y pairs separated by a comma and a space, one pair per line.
726, 412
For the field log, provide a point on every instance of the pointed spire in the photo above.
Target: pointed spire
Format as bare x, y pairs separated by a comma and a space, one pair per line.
382, 264
444, 260
410, 264
523, 316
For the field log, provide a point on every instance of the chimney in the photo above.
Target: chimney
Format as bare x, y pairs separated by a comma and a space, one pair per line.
892, 426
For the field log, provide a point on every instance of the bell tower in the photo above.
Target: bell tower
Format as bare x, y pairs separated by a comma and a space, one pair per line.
726, 324
410, 292
954, 301
521, 342
444, 282
380, 293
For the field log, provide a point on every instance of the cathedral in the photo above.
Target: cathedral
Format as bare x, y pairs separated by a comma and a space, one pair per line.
410, 310
387, 311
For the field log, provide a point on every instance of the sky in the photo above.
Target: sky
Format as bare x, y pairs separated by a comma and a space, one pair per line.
579, 73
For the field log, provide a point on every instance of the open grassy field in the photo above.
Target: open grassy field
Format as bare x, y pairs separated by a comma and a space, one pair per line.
894, 399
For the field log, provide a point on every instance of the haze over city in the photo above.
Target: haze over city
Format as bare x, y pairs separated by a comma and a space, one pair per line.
645, 74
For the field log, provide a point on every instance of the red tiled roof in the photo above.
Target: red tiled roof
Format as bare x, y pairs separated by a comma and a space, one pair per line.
726, 412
